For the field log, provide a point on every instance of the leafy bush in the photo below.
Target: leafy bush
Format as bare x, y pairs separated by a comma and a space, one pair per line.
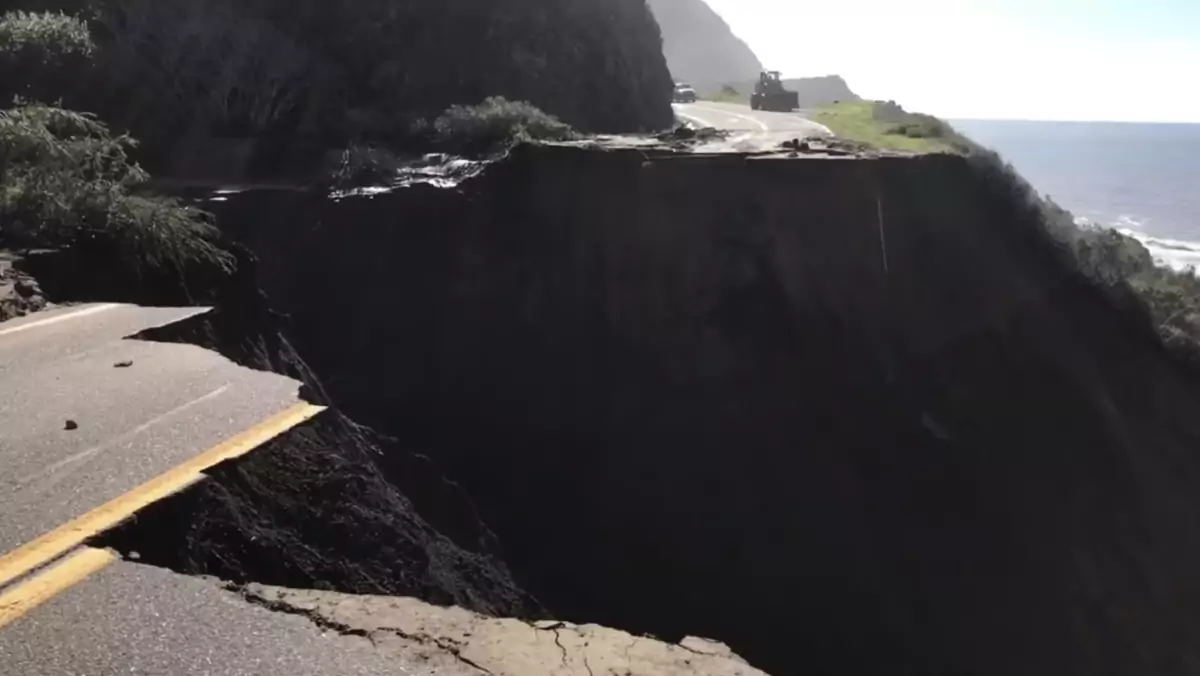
44, 37
888, 111
1173, 299
40, 53
495, 122
922, 126
65, 179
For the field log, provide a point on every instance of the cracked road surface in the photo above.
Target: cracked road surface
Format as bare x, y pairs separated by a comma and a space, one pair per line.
88, 421
136, 619
750, 130
135, 409
141, 411
457, 641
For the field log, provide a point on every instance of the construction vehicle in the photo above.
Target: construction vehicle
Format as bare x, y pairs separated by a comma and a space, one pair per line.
770, 94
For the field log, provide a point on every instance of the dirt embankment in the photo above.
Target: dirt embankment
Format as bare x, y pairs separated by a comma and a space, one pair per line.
20, 294
849, 416
330, 506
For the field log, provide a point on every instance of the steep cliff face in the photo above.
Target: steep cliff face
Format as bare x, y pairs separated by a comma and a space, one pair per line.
700, 47
850, 416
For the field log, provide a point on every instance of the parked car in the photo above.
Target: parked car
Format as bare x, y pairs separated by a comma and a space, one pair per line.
684, 93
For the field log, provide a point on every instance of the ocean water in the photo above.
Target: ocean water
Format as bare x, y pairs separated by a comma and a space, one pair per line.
1142, 179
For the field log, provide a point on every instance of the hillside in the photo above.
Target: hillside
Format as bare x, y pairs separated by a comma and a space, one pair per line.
703, 50
340, 69
821, 91
700, 47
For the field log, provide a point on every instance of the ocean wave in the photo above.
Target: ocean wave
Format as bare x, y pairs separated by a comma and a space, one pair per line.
1174, 253
1177, 254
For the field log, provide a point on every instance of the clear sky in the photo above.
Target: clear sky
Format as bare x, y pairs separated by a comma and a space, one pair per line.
1136, 60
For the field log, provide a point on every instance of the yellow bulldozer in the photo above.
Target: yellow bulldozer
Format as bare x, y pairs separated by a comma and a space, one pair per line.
770, 94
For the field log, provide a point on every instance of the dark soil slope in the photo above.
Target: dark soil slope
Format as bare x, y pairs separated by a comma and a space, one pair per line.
330, 505
701, 48
852, 416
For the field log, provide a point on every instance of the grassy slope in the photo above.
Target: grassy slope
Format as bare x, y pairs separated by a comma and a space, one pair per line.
855, 121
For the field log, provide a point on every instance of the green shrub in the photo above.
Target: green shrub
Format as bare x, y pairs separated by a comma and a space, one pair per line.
1118, 266
65, 179
1121, 266
497, 122
42, 54
1173, 299
921, 128
888, 111
44, 37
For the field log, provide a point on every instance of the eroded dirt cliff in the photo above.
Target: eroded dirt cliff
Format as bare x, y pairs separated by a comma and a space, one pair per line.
846, 415
330, 505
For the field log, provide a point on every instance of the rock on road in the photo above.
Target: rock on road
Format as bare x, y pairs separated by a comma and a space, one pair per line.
750, 130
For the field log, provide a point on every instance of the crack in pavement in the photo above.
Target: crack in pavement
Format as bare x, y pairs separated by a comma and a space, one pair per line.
463, 642
557, 641
324, 622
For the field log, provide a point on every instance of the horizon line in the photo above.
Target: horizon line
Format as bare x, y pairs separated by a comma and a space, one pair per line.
962, 118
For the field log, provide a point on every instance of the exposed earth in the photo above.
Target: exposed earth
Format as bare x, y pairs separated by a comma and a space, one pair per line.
20, 293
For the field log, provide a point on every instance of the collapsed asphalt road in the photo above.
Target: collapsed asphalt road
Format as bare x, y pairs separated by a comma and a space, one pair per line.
751, 130
798, 405
88, 415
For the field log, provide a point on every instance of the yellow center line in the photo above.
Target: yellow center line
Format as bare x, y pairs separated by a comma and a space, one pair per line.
70, 535
47, 584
